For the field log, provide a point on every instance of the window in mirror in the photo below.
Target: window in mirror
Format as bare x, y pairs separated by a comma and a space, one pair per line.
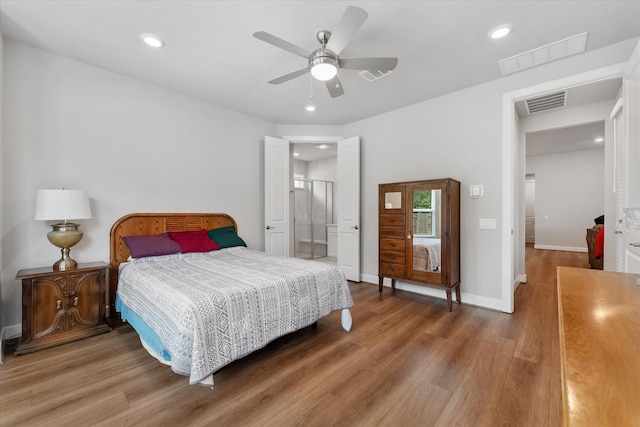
426, 212
393, 200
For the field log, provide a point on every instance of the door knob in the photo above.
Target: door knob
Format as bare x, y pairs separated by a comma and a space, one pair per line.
269, 227
356, 227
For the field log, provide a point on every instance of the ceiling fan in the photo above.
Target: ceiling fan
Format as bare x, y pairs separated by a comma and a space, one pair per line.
323, 63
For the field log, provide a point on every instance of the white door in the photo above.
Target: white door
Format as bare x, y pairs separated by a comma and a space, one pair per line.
349, 207
617, 120
530, 211
276, 196
631, 154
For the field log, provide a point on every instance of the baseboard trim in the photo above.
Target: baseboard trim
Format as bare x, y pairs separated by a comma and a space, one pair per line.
470, 299
561, 248
12, 331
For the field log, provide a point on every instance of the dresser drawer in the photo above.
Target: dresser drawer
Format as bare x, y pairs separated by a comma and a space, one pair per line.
392, 245
392, 232
392, 257
391, 221
392, 270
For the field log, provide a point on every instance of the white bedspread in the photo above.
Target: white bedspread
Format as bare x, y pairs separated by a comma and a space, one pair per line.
209, 309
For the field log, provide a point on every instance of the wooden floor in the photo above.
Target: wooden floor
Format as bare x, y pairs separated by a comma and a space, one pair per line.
407, 362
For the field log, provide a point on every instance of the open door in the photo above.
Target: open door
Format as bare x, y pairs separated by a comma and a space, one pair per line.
277, 220
630, 146
349, 207
276, 196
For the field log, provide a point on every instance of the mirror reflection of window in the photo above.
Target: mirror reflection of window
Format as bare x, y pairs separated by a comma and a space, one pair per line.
426, 230
423, 223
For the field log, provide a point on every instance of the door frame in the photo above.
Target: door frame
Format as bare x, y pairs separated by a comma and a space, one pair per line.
513, 175
303, 139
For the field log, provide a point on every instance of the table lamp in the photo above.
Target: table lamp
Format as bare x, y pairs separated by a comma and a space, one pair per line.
63, 205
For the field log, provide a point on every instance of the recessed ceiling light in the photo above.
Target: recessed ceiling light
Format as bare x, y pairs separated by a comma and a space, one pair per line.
322, 146
500, 31
310, 107
151, 40
296, 154
599, 139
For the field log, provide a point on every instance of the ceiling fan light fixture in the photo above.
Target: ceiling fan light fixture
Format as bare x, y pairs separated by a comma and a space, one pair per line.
324, 71
324, 65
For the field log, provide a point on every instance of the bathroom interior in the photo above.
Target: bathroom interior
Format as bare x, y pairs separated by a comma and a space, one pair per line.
314, 176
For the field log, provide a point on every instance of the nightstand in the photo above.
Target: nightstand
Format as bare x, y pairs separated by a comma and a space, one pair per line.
62, 306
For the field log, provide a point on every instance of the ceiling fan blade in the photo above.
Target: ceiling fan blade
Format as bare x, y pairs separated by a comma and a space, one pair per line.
282, 44
335, 87
289, 76
381, 64
348, 26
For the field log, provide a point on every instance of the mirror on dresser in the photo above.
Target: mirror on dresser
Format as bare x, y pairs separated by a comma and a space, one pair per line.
419, 234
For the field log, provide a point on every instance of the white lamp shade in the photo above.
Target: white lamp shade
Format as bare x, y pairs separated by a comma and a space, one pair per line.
62, 205
324, 71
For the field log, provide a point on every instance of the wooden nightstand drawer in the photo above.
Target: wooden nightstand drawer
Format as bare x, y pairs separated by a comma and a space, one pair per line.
62, 306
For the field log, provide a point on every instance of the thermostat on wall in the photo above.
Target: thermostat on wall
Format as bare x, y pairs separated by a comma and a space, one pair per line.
476, 191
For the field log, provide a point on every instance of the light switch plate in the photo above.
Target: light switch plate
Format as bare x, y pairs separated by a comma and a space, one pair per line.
476, 191
488, 223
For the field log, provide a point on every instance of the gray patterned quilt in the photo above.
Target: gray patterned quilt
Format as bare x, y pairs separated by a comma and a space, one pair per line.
209, 309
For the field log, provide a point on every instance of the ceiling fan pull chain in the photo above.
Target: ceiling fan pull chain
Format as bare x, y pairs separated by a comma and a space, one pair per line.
311, 86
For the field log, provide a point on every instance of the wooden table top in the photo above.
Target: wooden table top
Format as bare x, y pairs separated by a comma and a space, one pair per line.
599, 318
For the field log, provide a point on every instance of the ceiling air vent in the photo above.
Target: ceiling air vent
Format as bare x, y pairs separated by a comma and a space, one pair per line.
546, 102
373, 75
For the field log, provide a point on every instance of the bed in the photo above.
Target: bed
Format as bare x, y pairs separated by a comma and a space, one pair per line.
426, 253
199, 311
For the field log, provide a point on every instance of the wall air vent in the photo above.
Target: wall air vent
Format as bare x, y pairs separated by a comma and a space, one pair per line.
546, 102
373, 75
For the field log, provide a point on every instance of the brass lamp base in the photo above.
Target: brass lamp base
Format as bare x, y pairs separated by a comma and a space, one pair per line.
64, 235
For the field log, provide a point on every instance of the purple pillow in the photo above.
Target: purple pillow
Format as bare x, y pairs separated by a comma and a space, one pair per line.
158, 244
194, 241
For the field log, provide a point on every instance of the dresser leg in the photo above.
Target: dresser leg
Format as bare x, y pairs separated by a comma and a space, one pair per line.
449, 302
380, 280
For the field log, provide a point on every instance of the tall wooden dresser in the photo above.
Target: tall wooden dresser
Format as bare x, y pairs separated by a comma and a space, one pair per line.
419, 234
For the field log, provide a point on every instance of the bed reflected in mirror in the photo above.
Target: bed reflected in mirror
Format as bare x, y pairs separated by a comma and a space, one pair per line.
426, 229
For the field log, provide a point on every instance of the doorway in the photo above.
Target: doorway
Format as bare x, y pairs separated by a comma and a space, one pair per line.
312, 218
279, 195
530, 209
514, 169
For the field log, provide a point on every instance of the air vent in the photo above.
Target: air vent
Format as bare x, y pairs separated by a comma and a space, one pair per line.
546, 102
373, 75
551, 52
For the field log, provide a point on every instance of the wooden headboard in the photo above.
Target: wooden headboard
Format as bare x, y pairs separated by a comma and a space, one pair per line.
147, 224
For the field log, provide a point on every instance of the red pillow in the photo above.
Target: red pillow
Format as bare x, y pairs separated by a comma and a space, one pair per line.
194, 241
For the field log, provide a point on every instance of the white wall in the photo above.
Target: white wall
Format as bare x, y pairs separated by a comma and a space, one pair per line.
458, 135
569, 195
132, 146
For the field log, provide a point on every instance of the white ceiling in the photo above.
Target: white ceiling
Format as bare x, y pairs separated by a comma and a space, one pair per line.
564, 140
442, 46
